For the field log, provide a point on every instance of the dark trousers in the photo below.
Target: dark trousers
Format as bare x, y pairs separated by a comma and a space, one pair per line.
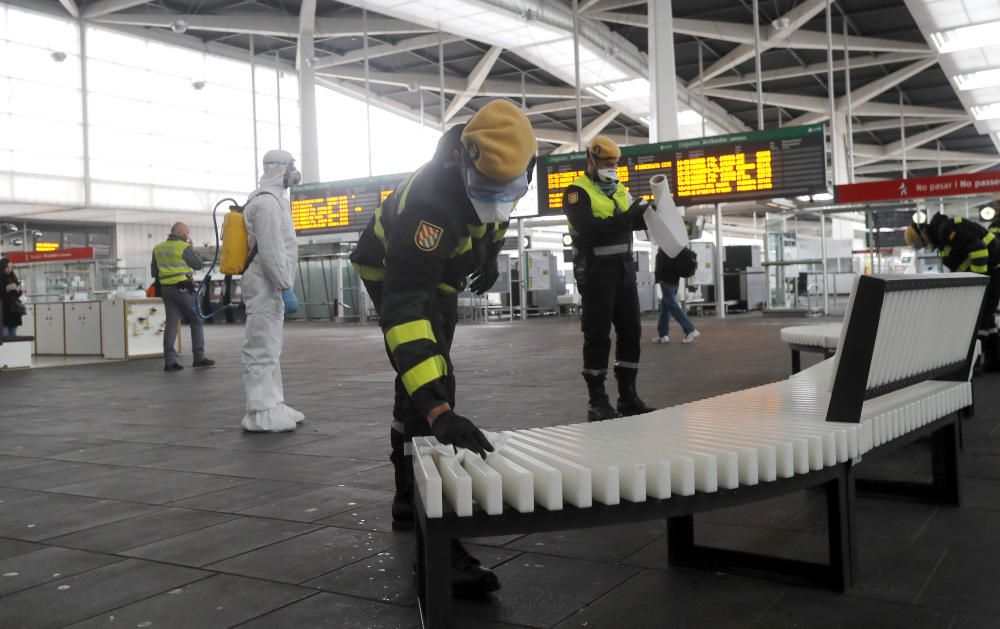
408, 422
179, 304
609, 297
987, 315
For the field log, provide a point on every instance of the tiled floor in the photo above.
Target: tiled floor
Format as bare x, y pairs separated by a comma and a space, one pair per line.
130, 498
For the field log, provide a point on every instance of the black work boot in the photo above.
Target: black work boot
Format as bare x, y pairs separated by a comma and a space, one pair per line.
469, 579
599, 406
991, 353
629, 402
402, 502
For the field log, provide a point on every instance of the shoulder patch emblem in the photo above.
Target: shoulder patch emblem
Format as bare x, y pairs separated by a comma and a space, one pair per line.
428, 236
572, 197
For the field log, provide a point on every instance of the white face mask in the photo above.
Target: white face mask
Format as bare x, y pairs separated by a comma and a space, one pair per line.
492, 211
607, 175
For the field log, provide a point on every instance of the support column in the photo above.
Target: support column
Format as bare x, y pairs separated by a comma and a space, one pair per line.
720, 289
662, 72
576, 74
85, 112
253, 110
309, 162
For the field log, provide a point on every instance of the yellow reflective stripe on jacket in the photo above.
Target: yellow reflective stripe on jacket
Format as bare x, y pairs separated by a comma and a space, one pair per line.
477, 231
601, 205
171, 267
979, 268
945, 252
425, 372
370, 273
447, 289
499, 233
989, 237
379, 230
464, 245
409, 332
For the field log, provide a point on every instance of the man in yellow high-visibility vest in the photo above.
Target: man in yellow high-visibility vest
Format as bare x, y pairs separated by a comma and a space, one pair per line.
174, 263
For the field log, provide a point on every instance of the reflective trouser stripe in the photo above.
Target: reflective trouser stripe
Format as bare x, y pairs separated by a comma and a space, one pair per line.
595, 372
427, 371
370, 273
612, 250
399, 427
626, 365
409, 332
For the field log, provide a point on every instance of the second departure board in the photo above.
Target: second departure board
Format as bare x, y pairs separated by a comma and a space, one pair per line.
339, 206
721, 169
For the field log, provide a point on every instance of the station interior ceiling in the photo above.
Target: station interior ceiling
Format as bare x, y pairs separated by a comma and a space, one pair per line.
906, 110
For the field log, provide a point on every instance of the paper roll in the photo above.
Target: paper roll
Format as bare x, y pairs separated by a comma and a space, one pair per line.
665, 225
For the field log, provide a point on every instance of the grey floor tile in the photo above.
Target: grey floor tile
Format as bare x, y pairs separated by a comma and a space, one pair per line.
318, 504
75, 472
828, 610
308, 556
605, 543
13, 547
539, 591
373, 517
967, 581
967, 529
142, 530
678, 598
44, 526
71, 599
47, 564
219, 601
207, 545
345, 612
246, 496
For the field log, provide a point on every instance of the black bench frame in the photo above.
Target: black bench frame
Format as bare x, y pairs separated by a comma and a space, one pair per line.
798, 348
838, 482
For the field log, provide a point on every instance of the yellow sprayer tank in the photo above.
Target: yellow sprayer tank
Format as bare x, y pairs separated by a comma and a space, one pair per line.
235, 244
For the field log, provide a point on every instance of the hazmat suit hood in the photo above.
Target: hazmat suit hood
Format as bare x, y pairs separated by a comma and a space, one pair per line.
279, 171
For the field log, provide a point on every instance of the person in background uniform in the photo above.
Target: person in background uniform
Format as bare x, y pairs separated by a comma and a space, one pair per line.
602, 216
268, 295
668, 273
966, 246
443, 223
13, 309
174, 263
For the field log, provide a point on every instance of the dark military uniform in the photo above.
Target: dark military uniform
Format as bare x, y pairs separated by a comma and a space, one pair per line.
966, 246
601, 225
414, 257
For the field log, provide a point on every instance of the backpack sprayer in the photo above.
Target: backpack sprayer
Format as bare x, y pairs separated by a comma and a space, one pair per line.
233, 255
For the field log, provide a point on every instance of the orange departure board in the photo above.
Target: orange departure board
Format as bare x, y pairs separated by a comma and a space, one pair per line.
739, 167
339, 206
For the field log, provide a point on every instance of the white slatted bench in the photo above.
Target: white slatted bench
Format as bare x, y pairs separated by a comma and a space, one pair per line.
880, 391
821, 338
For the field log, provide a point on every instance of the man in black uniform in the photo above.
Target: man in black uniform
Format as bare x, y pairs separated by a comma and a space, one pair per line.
966, 246
445, 222
602, 216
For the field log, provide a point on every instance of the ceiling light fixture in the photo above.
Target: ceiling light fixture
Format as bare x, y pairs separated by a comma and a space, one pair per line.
966, 37
986, 112
58, 56
987, 213
179, 26
198, 85
978, 80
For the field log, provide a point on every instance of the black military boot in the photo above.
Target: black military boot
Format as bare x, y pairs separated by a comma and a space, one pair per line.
991, 353
469, 579
599, 406
629, 402
402, 502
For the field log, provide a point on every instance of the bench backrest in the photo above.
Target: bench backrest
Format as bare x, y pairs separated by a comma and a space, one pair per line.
900, 330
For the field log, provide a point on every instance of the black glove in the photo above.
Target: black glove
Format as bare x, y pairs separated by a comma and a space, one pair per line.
485, 277
458, 431
639, 206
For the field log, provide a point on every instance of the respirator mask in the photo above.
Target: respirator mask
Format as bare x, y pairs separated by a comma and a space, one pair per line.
493, 201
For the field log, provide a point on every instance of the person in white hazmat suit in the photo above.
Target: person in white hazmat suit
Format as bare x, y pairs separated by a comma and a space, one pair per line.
268, 295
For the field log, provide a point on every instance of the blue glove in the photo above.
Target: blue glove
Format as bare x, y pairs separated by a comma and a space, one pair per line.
291, 301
